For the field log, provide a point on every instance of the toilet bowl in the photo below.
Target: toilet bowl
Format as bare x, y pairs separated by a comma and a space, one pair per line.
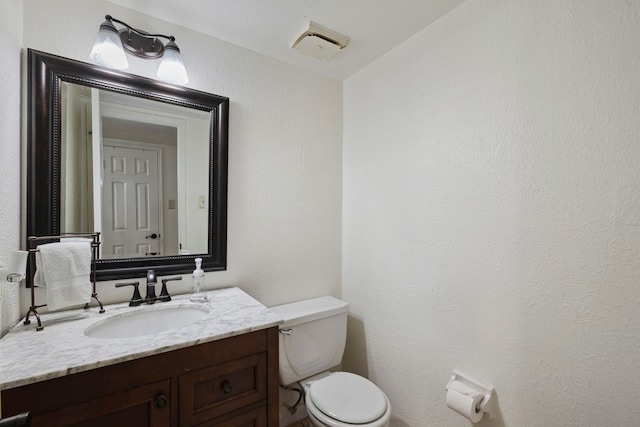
312, 340
344, 399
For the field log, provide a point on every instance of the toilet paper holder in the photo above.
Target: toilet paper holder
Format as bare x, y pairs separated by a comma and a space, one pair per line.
486, 405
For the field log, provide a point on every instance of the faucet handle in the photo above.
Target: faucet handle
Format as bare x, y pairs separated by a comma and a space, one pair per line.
136, 299
164, 294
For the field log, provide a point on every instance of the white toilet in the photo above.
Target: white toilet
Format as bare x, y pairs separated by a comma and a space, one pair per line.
312, 340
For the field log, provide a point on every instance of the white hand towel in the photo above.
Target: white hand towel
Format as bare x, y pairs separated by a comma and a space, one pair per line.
65, 270
38, 277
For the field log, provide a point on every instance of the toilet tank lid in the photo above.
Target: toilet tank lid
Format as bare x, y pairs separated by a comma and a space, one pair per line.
296, 313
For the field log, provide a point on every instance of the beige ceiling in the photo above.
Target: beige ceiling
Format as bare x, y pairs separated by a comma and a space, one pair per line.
270, 26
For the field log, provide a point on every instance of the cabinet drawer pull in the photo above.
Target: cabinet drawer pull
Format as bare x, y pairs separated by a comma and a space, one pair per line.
161, 401
226, 387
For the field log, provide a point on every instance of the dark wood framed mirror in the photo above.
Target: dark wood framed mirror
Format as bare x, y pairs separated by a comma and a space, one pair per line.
64, 195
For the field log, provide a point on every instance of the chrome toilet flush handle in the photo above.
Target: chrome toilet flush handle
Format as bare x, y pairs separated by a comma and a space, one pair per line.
286, 331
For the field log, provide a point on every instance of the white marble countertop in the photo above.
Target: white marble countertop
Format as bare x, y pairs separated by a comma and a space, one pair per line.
61, 348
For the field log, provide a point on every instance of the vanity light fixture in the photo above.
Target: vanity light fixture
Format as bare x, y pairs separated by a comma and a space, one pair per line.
111, 44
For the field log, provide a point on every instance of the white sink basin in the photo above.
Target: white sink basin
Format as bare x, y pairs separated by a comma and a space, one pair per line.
143, 321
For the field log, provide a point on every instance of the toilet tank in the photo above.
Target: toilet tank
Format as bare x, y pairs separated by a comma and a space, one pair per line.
312, 337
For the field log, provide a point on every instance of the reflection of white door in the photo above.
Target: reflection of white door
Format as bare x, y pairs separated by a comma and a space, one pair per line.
131, 202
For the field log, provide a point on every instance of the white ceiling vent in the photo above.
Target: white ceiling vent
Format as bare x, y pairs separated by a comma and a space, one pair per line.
319, 42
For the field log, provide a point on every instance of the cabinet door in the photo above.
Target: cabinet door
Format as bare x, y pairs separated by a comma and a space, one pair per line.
147, 405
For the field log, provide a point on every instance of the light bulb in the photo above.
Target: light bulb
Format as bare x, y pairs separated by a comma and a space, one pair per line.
107, 49
171, 68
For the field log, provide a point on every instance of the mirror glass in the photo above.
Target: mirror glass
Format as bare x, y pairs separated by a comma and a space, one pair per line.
128, 172
140, 161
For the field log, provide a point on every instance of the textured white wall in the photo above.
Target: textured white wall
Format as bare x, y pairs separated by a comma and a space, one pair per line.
285, 154
492, 213
10, 46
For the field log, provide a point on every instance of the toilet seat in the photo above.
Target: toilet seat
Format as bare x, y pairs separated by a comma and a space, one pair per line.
345, 399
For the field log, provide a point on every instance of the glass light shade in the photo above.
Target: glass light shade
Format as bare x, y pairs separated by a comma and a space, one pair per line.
171, 68
107, 49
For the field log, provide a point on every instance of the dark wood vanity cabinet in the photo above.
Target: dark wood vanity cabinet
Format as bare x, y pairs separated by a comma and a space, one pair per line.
231, 382
145, 405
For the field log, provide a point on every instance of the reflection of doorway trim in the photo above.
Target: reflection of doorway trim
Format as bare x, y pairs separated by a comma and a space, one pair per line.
159, 149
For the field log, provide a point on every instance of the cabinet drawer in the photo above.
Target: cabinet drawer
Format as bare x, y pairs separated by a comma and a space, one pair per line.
210, 392
146, 405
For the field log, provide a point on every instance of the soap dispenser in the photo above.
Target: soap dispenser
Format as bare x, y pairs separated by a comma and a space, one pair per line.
198, 287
